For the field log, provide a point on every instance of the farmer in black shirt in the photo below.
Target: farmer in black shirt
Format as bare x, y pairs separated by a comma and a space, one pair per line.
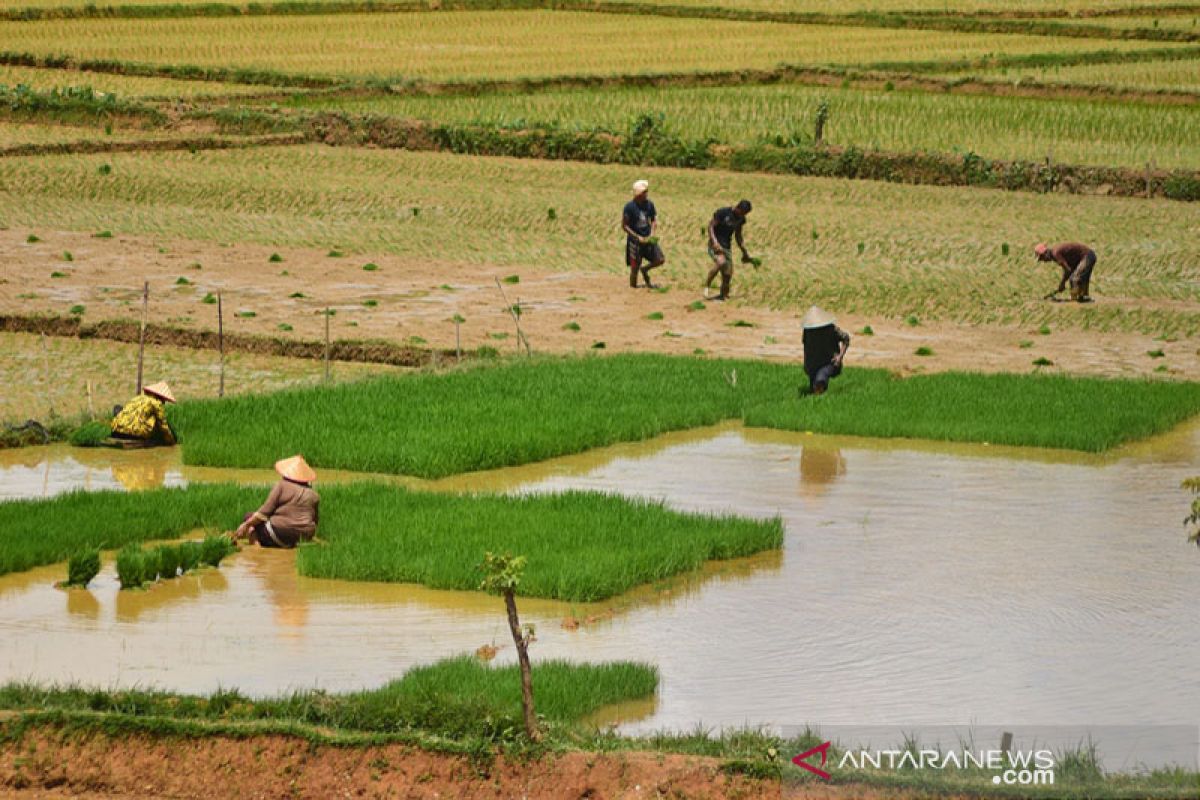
639, 222
725, 226
825, 346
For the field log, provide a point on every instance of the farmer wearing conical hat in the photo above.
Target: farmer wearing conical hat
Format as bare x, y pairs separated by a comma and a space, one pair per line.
639, 220
290, 514
825, 346
144, 418
1076, 261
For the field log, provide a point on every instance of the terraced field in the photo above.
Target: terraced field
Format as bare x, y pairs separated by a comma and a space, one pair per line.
125, 86
1151, 76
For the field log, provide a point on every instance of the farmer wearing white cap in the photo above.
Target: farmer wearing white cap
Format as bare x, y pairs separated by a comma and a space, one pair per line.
639, 221
144, 417
290, 514
825, 346
1076, 261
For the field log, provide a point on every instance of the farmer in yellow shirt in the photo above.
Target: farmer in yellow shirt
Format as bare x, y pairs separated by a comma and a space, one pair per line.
143, 417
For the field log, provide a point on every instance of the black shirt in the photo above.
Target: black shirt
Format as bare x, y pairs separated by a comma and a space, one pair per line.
728, 223
638, 218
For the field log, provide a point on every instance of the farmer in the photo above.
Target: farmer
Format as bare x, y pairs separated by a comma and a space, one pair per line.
143, 417
1076, 261
825, 346
639, 220
724, 227
290, 514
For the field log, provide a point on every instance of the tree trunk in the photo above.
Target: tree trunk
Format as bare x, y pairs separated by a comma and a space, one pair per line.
514, 624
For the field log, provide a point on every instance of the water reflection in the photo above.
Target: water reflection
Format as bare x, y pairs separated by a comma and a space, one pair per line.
133, 605
820, 467
83, 604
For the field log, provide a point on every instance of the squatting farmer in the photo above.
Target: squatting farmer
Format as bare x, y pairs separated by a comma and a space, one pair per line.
639, 221
144, 418
290, 514
825, 346
1076, 261
724, 228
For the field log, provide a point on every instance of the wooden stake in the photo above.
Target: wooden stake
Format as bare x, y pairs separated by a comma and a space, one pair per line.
327, 344
221, 344
142, 335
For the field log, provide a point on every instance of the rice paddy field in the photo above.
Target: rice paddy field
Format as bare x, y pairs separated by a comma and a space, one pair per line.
394, 198
1076, 131
464, 46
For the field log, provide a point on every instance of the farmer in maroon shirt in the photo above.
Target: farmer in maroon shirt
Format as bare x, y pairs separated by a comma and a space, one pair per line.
1076, 261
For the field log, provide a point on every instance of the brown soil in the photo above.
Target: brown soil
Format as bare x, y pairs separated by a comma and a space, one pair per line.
106, 277
48, 764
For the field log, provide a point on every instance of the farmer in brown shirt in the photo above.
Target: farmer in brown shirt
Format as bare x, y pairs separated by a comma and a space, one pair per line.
290, 514
1076, 261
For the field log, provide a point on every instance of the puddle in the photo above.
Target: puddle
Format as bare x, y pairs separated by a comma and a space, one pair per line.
920, 584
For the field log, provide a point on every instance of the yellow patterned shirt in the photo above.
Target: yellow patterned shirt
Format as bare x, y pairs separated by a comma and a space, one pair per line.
143, 418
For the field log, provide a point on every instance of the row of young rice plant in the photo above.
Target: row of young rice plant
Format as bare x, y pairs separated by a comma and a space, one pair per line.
1074, 131
124, 86
580, 546
957, 253
454, 697
464, 46
1149, 76
18, 134
928, 6
433, 425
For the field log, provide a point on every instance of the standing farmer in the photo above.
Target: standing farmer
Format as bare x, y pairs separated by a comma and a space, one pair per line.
639, 221
1076, 261
825, 346
724, 227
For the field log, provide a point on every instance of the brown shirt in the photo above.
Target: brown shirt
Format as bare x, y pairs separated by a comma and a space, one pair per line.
1070, 255
292, 507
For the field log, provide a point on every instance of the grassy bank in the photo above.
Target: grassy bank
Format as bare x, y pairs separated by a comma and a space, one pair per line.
581, 546
433, 425
456, 697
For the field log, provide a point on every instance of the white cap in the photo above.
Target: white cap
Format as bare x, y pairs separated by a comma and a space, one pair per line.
639, 187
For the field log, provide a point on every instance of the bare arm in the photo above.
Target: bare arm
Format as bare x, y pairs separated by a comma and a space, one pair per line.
712, 234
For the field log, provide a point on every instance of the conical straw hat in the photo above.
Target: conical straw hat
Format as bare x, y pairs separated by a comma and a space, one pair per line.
817, 318
160, 389
295, 469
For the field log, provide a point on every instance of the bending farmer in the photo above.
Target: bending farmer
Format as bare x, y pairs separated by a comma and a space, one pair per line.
639, 221
143, 418
825, 346
1076, 261
725, 226
290, 514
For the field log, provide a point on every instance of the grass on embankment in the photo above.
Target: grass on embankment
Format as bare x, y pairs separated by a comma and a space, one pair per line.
455, 697
581, 546
433, 425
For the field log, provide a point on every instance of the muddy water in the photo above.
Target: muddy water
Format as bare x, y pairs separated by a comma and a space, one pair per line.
919, 584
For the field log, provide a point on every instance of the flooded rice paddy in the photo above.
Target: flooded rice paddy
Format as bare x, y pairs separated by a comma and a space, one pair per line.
919, 584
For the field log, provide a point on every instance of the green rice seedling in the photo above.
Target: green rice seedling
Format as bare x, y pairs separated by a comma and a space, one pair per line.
297, 296
500, 336
770, 340
105, 169
511, 279
370, 266
1044, 330
912, 321
151, 565
275, 258
867, 330
1004, 249
551, 214
923, 351
90, 434
283, 326
1162, 368
445, 287
246, 314
1156, 353
328, 312
168, 561
335, 254
284, 273
57, 274
654, 315
696, 305
130, 567
369, 303
1042, 361
1025, 344
78, 310
741, 323
191, 555
82, 567
66, 256
182, 281
576, 299
672, 334
102, 235
195, 265
416, 212
572, 326
599, 345
699, 351
32, 239
209, 299
861, 248
214, 549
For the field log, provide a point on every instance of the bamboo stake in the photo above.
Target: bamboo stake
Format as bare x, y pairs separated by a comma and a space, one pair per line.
327, 344
516, 319
142, 335
221, 344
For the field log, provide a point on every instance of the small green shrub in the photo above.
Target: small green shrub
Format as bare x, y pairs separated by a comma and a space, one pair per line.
32, 239
130, 566
1156, 353
1044, 330
214, 549
370, 303
696, 305
1042, 361
102, 235
82, 567
654, 315
912, 321
210, 299
275, 258
598, 345
335, 254
741, 323
572, 326
511, 279
283, 326
867, 330
105, 169
370, 266
67, 256
77, 310
923, 351
297, 296
57, 274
